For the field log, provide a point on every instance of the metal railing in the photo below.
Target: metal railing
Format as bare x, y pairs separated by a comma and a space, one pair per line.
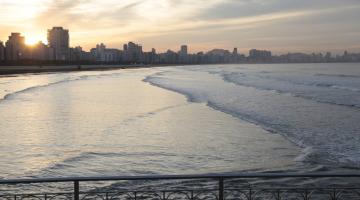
219, 192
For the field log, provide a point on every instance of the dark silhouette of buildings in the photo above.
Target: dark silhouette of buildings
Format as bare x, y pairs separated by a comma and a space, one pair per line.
58, 51
58, 39
101, 54
259, 55
132, 53
40, 51
2, 52
183, 54
77, 54
15, 47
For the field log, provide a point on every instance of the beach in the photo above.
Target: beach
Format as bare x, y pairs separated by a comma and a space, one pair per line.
180, 120
8, 70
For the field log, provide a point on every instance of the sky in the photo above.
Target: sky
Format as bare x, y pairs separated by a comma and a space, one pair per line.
278, 25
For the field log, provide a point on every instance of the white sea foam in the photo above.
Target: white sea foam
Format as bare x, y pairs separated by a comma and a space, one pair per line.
9, 94
327, 128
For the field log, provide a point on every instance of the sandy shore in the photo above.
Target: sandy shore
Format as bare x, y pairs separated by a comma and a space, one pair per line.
8, 70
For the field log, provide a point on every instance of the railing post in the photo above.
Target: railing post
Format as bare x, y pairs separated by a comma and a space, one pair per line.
76, 190
221, 188
306, 196
334, 196
250, 194
164, 195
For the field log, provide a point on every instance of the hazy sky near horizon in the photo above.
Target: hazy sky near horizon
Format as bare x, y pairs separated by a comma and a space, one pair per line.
278, 25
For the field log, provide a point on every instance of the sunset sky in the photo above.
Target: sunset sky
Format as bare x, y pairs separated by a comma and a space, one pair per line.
277, 25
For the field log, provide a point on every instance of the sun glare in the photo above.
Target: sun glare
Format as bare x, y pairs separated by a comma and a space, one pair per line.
33, 40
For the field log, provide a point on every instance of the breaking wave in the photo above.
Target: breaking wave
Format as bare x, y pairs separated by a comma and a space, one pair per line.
322, 128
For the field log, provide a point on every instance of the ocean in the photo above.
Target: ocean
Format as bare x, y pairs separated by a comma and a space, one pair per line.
181, 120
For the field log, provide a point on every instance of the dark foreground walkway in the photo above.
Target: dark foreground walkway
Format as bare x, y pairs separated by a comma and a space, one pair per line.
275, 186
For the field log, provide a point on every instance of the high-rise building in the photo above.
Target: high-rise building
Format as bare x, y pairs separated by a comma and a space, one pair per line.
106, 55
183, 54
259, 55
150, 57
133, 53
2, 52
235, 51
184, 50
15, 47
77, 54
40, 51
170, 57
218, 56
58, 39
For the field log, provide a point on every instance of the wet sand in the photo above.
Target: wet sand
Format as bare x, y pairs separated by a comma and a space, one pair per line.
8, 70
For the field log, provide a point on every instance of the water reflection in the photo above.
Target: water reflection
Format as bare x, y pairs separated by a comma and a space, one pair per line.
112, 123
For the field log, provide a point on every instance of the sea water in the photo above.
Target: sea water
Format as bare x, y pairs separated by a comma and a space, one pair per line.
181, 120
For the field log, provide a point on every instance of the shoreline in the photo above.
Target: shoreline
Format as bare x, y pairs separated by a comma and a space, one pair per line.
116, 95
29, 69
13, 70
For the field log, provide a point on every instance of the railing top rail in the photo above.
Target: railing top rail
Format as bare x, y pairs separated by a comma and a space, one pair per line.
179, 177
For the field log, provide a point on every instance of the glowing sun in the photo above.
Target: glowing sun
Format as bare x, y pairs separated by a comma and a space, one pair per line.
31, 40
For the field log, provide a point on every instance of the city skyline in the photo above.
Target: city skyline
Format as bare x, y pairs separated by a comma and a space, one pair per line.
58, 50
278, 25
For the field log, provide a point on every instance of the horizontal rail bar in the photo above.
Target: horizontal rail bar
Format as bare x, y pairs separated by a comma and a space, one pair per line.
190, 190
180, 177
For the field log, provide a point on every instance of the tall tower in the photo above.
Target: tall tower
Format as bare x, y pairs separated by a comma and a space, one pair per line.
15, 47
184, 50
133, 53
235, 51
58, 39
183, 54
2, 52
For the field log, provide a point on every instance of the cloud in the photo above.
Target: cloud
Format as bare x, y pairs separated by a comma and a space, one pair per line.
87, 14
302, 30
161, 23
245, 8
